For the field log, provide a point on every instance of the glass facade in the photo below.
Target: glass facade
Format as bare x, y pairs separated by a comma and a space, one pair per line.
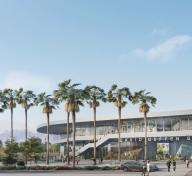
157, 124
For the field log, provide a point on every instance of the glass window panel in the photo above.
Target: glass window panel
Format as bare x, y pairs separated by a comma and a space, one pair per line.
184, 124
129, 126
160, 125
151, 126
175, 124
167, 124
190, 123
136, 126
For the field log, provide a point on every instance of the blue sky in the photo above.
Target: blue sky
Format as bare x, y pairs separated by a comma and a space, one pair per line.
139, 44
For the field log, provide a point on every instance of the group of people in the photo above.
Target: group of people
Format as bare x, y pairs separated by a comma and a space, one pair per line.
146, 168
173, 163
169, 162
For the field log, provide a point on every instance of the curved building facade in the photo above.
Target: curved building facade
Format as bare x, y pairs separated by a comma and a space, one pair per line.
169, 134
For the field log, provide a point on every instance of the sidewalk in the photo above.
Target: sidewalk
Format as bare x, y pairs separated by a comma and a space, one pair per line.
181, 170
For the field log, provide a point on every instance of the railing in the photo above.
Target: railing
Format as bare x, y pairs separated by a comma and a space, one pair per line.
98, 143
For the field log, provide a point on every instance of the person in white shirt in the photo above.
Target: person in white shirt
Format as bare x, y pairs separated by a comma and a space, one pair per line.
148, 167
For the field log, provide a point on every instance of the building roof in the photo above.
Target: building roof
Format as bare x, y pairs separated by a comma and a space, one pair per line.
59, 127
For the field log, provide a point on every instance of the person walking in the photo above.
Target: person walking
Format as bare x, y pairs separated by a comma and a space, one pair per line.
144, 169
174, 165
148, 167
187, 163
169, 165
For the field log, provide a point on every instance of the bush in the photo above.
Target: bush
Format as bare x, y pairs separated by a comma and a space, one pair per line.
20, 163
41, 167
9, 160
92, 168
106, 168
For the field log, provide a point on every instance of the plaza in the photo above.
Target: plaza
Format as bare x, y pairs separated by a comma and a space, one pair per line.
180, 171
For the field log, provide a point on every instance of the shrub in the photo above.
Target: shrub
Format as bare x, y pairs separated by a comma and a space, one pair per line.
106, 168
92, 168
63, 168
9, 160
20, 163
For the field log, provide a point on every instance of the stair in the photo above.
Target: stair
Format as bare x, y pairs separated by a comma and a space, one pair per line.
101, 141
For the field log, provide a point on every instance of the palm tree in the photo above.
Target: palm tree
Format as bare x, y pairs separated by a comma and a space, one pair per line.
62, 96
26, 99
75, 99
10, 97
96, 94
3, 102
145, 100
48, 103
117, 96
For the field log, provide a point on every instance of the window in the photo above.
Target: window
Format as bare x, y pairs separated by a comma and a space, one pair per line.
160, 125
175, 124
167, 124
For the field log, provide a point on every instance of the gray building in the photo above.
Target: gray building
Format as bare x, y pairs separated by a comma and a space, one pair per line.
169, 134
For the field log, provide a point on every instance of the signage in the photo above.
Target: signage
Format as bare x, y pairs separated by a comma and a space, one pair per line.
157, 139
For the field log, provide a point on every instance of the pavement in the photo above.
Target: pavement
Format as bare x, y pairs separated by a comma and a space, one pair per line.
181, 170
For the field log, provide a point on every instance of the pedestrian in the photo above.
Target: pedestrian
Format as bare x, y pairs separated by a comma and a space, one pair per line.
144, 169
187, 163
174, 165
101, 160
148, 167
169, 165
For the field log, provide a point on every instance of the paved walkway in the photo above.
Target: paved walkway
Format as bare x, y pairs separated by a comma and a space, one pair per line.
189, 173
180, 171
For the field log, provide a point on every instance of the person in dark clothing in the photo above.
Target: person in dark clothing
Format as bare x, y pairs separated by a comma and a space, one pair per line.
144, 169
169, 165
174, 165
101, 160
187, 163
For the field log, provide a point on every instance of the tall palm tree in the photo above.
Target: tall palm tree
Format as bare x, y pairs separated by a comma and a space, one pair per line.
96, 94
145, 100
75, 99
3, 102
10, 97
117, 96
26, 99
62, 96
48, 103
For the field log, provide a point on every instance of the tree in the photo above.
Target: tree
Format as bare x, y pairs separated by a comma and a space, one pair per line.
75, 99
62, 96
26, 99
3, 102
95, 95
10, 99
11, 151
32, 148
49, 103
117, 95
145, 101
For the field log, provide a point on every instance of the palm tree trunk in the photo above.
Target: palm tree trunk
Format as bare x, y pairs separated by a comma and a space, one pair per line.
11, 124
145, 145
47, 158
74, 129
26, 132
25, 124
68, 160
119, 134
94, 154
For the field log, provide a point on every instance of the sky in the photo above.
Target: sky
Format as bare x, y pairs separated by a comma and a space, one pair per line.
133, 43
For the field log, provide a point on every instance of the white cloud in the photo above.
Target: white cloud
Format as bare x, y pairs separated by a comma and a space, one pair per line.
26, 80
165, 50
